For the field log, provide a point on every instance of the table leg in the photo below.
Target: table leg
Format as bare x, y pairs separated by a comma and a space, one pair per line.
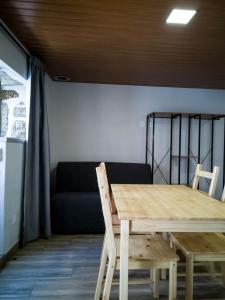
189, 277
173, 281
124, 253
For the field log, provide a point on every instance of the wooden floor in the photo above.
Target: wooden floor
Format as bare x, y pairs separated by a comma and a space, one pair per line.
66, 268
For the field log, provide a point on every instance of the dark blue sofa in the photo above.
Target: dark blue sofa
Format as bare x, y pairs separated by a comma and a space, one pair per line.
76, 206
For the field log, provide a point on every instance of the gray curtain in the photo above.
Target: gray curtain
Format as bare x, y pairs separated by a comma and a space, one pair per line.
36, 211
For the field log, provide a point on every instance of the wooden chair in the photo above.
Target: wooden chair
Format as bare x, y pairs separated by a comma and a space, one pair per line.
213, 176
201, 247
116, 222
146, 251
109, 197
115, 218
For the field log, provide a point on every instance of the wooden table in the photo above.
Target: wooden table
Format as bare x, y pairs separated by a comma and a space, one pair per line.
162, 208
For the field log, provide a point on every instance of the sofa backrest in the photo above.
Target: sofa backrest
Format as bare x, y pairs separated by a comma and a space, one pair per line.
76, 177
129, 173
81, 176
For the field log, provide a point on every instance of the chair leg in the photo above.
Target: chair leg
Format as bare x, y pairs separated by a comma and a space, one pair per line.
223, 272
108, 279
165, 235
212, 269
101, 270
189, 277
155, 277
151, 276
173, 280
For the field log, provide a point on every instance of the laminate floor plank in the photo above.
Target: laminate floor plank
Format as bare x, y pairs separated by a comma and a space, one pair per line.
65, 288
18, 288
66, 268
74, 297
52, 264
58, 252
21, 273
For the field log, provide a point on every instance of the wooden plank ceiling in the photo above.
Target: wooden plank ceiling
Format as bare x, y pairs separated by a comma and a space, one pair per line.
123, 41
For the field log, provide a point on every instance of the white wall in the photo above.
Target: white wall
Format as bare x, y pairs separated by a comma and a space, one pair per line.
107, 122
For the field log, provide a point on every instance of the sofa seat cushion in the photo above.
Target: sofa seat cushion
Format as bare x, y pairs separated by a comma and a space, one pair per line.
77, 213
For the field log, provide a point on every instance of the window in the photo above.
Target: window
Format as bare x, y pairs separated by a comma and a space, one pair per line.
14, 104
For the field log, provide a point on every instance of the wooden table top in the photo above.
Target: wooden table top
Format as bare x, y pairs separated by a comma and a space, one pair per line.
165, 202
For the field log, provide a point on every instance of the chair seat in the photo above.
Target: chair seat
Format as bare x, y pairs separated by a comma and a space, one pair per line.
200, 243
148, 247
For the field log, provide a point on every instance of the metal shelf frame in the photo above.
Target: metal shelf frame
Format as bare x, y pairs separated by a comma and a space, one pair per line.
150, 147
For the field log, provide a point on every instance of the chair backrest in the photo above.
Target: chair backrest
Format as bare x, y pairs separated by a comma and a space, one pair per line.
223, 195
106, 209
106, 185
213, 176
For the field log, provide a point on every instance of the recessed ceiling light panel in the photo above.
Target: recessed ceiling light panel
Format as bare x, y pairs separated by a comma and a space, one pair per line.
180, 16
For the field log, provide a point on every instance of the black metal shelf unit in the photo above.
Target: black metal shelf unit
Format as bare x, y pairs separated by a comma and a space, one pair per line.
171, 116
